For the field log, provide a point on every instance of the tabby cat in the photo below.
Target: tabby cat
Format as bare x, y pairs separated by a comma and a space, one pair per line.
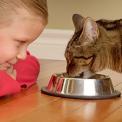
95, 45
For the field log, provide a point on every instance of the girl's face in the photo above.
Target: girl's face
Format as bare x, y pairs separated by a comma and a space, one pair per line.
15, 38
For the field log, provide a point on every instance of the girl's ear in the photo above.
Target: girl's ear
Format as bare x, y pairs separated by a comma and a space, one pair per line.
90, 29
78, 22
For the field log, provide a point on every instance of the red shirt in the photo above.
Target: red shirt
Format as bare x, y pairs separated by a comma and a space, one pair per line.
27, 73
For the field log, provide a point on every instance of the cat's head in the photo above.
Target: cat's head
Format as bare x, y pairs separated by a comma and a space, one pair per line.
83, 47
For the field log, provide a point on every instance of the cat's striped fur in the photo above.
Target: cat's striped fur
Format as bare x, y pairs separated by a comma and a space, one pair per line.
95, 45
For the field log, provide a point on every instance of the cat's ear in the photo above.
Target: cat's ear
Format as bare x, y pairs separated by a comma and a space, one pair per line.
90, 29
78, 22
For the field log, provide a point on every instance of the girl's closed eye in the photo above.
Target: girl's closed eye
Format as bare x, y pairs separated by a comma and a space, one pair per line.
19, 43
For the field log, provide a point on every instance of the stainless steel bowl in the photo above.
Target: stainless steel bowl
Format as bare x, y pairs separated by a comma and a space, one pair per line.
97, 87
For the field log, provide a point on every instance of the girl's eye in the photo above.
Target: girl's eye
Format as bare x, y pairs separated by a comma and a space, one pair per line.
22, 42
19, 43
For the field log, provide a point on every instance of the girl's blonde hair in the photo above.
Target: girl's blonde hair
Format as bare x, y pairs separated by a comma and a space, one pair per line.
35, 7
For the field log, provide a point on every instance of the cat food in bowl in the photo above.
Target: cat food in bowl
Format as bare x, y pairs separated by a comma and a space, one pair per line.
96, 87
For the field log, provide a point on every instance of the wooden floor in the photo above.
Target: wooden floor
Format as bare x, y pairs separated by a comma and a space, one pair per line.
33, 106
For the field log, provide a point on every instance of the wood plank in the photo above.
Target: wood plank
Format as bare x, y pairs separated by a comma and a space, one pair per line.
53, 112
116, 116
69, 110
23, 103
95, 111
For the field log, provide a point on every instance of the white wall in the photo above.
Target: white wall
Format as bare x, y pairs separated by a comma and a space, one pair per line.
51, 44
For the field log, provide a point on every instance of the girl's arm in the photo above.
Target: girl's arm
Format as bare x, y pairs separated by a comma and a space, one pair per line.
26, 75
27, 71
8, 85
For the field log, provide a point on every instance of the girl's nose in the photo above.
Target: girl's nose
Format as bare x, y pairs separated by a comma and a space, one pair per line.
22, 54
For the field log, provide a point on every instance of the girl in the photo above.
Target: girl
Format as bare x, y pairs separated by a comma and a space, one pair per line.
21, 22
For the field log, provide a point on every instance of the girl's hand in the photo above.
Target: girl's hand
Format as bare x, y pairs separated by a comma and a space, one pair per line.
8, 69
12, 72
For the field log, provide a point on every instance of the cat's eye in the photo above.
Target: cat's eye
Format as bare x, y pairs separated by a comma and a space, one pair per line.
83, 57
84, 60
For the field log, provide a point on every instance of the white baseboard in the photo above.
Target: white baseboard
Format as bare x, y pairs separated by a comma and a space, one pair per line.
51, 44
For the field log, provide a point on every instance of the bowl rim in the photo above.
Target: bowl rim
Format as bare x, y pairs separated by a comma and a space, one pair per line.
59, 75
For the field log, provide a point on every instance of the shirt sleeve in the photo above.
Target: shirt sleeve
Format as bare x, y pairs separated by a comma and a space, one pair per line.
27, 71
8, 85
27, 74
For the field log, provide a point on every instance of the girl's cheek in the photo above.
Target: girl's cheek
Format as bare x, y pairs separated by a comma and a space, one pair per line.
10, 53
